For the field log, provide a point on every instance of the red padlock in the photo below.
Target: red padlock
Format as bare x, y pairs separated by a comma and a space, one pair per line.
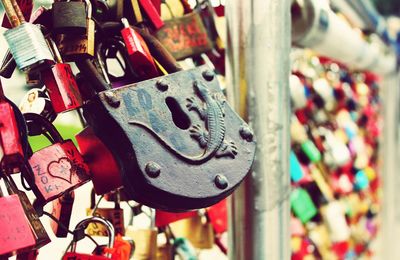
218, 215
61, 84
139, 54
58, 168
81, 256
152, 14
164, 218
103, 167
11, 152
16, 234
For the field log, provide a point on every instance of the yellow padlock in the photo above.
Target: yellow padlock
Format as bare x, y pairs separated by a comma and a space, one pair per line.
114, 215
145, 240
197, 230
165, 249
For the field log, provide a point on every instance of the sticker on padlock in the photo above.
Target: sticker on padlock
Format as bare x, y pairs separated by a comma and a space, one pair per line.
37, 101
145, 239
57, 168
114, 215
80, 226
16, 232
154, 118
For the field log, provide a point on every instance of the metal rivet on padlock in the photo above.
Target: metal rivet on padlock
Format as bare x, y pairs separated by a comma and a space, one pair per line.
26, 41
81, 225
57, 168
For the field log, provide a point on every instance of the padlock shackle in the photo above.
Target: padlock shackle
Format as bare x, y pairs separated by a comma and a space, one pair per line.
46, 124
157, 50
111, 232
8, 65
87, 68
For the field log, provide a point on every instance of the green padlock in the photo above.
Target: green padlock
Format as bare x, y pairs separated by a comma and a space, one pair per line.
302, 205
311, 151
184, 249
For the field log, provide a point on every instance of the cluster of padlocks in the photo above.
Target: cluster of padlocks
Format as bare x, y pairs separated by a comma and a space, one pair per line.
333, 164
157, 137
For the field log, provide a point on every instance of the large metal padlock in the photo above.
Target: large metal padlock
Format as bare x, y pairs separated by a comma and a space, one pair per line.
73, 47
69, 17
26, 41
83, 224
16, 235
61, 84
58, 168
163, 128
114, 215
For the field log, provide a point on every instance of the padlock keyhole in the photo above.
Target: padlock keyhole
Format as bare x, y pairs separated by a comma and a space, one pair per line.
179, 117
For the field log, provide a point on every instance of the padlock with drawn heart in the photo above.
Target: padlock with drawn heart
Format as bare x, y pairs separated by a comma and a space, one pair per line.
57, 168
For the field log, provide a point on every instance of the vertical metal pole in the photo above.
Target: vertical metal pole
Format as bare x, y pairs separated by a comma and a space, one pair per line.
390, 216
258, 69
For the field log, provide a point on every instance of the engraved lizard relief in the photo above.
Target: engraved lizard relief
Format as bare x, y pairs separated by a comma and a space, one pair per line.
211, 111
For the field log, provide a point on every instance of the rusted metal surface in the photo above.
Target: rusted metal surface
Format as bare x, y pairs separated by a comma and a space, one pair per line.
178, 143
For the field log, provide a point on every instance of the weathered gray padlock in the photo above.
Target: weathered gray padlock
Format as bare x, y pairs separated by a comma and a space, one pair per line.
26, 41
69, 17
28, 47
